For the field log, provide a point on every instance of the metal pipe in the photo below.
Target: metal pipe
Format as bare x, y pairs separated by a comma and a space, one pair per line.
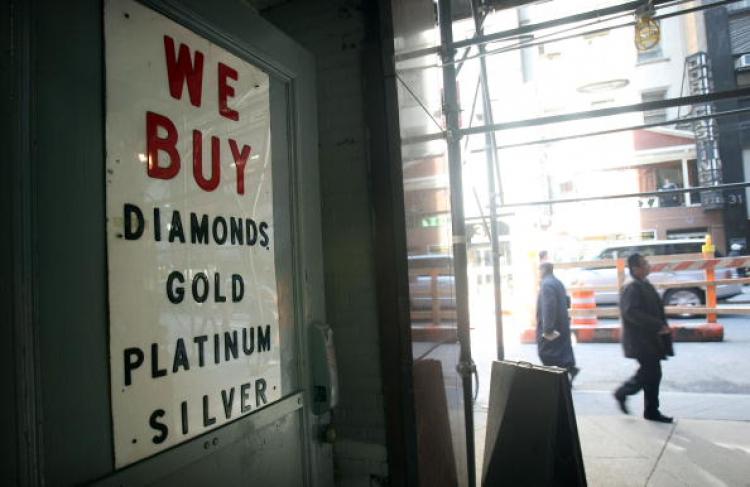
601, 112
593, 14
526, 39
465, 366
664, 192
696, 118
419, 102
522, 45
493, 171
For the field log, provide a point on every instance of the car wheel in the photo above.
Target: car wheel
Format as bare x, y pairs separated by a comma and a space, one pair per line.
683, 298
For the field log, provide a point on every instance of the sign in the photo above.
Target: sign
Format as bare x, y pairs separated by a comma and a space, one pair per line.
194, 334
709, 163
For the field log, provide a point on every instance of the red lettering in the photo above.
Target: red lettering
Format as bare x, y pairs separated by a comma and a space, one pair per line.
240, 161
183, 69
212, 183
226, 91
155, 143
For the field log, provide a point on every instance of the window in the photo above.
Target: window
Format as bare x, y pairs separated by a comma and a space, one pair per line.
608, 254
738, 5
684, 233
653, 54
658, 115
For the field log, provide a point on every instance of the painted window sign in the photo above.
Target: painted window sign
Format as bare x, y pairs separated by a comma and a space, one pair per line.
194, 339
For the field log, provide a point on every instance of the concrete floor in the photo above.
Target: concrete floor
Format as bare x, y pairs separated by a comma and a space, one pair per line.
624, 451
706, 386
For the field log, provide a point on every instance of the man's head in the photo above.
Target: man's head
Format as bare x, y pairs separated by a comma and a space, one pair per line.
545, 269
639, 266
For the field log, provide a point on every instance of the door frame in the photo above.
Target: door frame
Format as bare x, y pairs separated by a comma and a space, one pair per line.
269, 49
264, 46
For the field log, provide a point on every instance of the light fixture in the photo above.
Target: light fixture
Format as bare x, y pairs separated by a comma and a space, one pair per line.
647, 29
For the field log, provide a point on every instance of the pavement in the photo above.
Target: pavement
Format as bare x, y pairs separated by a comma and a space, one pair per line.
626, 450
706, 387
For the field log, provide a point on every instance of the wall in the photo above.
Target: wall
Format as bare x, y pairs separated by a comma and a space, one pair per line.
671, 218
334, 32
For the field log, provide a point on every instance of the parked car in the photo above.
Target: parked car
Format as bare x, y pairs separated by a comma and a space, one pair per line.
673, 295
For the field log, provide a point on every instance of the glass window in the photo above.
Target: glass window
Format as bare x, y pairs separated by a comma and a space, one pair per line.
653, 54
658, 115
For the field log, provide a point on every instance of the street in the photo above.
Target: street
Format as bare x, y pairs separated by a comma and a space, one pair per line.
705, 386
711, 367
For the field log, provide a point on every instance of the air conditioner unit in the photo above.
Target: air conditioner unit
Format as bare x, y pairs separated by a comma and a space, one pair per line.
742, 63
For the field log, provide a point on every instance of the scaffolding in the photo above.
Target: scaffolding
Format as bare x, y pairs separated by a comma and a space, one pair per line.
452, 134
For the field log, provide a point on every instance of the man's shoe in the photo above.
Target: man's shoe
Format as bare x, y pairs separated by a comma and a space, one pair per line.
658, 417
620, 398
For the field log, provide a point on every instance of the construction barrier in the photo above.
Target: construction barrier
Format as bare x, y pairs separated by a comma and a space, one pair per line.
583, 314
436, 322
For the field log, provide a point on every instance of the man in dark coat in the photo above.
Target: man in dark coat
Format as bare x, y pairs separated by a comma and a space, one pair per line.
646, 337
553, 323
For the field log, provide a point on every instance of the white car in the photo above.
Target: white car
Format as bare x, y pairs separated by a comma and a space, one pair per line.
673, 295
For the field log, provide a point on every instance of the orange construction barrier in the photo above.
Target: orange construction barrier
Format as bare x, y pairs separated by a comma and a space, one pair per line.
583, 311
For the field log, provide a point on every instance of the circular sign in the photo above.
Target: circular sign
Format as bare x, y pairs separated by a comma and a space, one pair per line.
647, 33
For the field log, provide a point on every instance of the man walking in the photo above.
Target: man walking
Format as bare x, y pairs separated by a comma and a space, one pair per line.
553, 323
646, 337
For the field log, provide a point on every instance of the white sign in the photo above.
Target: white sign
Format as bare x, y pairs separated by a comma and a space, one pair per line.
194, 335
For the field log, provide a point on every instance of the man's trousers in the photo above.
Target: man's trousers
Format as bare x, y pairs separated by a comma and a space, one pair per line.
648, 378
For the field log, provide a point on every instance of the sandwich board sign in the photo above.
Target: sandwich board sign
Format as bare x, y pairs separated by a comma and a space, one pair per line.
193, 306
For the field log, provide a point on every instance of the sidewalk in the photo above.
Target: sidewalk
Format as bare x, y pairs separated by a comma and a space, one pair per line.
622, 450
629, 451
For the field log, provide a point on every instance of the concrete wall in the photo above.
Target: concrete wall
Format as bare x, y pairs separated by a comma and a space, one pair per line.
334, 32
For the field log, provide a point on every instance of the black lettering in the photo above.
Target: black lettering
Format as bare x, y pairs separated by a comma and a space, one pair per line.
235, 230
220, 230
217, 351
198, 230
180, 356
175, 229
264, 340
260, 392
248, 347
162, 429
238, 288
183, 410
244, 397
264, 239
157, 224
207, 419
203, 295
133, 357
155, 370
218, 297
175, 294
227, 402
200, 340
128, 212
251, 231
230, 345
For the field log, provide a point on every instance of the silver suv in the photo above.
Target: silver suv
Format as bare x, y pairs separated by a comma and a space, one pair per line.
674, 295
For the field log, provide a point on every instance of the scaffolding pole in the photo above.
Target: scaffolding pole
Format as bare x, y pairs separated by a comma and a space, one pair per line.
599, 112
466, 367
493, 172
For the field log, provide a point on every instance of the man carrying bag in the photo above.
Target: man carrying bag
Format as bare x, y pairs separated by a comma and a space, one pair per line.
646, 337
